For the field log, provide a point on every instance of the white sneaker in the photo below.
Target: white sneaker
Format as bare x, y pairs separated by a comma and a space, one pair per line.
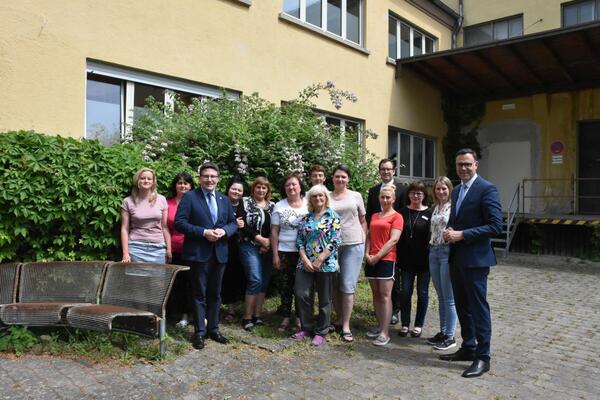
182, 324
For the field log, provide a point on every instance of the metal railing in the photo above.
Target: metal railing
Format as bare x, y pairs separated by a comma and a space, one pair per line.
570, 192
512, 218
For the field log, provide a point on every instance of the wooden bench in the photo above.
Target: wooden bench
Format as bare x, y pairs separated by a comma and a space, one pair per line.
9, 281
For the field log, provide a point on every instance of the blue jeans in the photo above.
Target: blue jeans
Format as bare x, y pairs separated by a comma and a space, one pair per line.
257, 268
440, 275
408, 281
147, 252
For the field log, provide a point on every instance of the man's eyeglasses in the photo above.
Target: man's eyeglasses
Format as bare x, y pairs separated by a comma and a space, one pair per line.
209, 177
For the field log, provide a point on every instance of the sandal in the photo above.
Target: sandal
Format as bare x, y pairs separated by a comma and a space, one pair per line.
403, 332
373, 333
285, 324
416, 332
381, 340
347, 337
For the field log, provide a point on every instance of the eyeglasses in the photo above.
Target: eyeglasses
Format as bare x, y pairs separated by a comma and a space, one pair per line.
416, 194
209, 177
464, 165
386, 169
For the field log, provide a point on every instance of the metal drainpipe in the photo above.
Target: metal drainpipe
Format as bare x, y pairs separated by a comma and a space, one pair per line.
459, 23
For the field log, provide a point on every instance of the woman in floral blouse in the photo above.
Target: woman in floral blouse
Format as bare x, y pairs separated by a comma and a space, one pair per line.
319, 236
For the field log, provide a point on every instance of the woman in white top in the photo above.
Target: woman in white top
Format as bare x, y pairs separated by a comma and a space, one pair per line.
351, 209
438, 265
285, 219
145, 235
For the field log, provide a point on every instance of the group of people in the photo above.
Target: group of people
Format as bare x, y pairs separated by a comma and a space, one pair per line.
317, 243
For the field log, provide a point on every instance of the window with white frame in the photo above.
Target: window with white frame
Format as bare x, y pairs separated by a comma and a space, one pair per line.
415, 154
580, 12
404, 40
348, 127
115, 96
342, 18
494, 30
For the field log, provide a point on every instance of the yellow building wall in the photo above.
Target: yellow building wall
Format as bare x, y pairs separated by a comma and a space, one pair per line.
538, 15
45, 46
557, 116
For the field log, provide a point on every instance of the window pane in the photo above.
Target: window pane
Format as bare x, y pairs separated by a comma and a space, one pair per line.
417, 43
404, 41
515, 27
570, 15
352, 131
428, 45
417, 156
429, 159
392, 39
586, 12
142, 93
353, 20
393, 146
334, 16
478, 35
103, 110
333, 122
292, 7
404, 166
313, 12
501, 30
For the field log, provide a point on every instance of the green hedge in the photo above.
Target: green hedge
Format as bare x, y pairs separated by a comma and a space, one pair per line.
60, 197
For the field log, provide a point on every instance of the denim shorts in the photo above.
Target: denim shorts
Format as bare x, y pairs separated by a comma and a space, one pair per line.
147, 252
350, 258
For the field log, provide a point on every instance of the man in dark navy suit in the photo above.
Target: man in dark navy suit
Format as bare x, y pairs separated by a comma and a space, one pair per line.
206, 218
475, 218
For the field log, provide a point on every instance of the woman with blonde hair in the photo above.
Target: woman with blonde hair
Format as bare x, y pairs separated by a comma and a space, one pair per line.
145, 235
384, 232
439, 250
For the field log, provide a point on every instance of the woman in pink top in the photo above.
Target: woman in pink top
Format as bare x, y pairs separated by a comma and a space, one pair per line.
144, 233
180, 295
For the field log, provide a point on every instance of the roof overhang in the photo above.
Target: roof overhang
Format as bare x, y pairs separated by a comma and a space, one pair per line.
547, 62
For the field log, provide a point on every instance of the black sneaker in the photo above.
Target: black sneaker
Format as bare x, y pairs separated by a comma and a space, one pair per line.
437, 339
447, 344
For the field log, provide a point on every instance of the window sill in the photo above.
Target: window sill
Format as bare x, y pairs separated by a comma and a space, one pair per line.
321, 32
390, 61
244, 2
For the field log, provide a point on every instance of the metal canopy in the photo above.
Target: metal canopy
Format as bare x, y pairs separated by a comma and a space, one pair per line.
546, 62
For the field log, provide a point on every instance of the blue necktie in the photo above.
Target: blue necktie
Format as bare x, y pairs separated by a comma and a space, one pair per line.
461, 196
212, 206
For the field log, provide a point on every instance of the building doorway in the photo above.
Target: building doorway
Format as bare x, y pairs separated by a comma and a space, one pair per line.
588, 168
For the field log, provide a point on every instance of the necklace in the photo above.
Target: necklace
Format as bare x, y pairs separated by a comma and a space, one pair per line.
412, 221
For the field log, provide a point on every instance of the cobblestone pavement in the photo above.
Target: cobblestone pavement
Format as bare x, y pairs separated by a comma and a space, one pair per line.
545, 346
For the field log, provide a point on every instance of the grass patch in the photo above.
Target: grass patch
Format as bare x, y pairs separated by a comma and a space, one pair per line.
94, 346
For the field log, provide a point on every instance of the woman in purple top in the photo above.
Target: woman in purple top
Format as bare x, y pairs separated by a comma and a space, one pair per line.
145, 235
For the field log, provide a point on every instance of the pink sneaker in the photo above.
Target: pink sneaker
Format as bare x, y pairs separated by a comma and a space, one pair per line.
300, 335
318, 340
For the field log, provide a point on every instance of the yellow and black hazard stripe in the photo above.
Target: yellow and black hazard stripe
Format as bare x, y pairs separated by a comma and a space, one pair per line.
563, 221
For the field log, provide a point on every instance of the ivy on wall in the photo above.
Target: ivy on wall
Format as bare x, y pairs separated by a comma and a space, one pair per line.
462, 116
